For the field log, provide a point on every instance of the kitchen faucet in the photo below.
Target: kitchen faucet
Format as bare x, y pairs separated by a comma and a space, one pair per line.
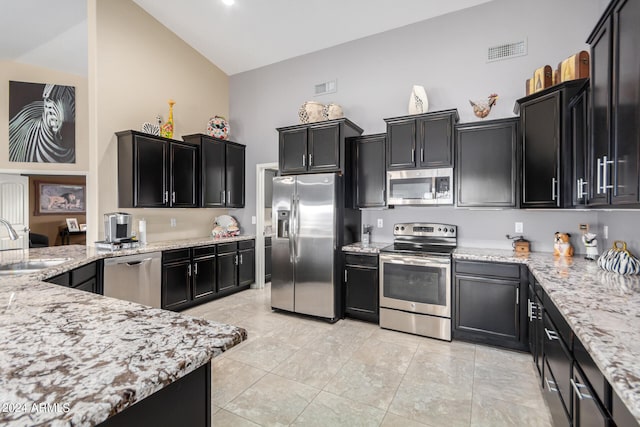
12, 233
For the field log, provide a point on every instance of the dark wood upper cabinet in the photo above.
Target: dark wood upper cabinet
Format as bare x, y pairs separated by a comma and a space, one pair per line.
222, 177
486, 163
421, 141
315, 147
579, 118
615, 107
370, 173
546, 146
156, 172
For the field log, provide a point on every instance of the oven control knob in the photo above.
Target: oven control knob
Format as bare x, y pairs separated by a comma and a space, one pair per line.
445, 230
397, 228
439, 229
402, 228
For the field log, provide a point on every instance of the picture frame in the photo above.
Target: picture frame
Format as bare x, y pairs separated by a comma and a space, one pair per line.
59, 198
72, 225
83, 227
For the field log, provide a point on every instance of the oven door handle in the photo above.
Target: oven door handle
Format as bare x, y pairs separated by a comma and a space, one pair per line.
415, 260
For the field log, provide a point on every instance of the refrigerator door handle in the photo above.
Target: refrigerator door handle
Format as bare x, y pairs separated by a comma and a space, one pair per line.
290, 231
297, 232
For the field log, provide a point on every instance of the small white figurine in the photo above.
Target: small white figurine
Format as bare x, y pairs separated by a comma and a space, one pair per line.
591, 244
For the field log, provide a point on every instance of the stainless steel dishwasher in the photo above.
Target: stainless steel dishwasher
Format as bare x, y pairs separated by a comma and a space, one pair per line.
134, 278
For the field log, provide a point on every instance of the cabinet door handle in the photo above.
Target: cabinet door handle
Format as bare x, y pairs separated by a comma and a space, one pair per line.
345, 276
422, 154
529, 310
598, 176
581, 191
224, 194
577, 386
241, 259
549, 385
310, 159
605, 185
228, 197
552, 335
553, 188
413, 155
236, 260
517, 296
165, 199
304, 160
189, 270
195, 268
173, 197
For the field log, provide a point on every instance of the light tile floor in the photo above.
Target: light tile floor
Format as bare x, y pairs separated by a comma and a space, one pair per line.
297, 371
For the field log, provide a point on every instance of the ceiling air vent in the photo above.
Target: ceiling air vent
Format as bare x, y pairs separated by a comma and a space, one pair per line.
507, 51
326, 87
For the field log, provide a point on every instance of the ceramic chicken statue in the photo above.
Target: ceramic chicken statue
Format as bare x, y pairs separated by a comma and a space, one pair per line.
482, 108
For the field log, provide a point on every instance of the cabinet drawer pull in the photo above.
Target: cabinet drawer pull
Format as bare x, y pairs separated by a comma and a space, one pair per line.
549, 385
577, 386
173, 197
304, 160
195, 268
552, 335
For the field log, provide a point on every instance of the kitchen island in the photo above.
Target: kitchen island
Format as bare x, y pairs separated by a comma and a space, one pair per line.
71, 357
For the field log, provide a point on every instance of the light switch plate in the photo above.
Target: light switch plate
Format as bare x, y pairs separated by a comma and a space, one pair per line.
519, 227
380, 223
253, 219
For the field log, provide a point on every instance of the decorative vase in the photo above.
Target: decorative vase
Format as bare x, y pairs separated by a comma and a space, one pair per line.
167, 128
311, 112
418, 102
218, 127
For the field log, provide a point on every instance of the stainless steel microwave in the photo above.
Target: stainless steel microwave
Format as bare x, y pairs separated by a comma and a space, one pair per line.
420, 187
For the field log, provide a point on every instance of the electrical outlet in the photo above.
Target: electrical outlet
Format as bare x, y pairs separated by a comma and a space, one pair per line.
519, 227
173, 222
605, 231
253, 219
380, 223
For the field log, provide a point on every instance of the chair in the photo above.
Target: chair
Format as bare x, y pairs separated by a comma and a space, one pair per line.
38, 240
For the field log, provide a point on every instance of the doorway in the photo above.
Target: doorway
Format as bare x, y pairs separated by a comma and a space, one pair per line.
264, 176
14, 208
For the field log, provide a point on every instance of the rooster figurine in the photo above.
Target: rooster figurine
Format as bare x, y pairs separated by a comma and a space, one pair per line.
482, 108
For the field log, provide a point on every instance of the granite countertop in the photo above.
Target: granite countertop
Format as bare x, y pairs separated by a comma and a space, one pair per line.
371, 248
90, 356
602, 308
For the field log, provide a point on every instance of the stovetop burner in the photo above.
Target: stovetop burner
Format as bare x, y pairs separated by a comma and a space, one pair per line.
423, 239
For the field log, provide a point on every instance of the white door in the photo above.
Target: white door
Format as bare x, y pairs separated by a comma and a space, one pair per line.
14, 207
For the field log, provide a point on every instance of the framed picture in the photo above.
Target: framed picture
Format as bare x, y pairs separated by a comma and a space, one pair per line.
83, 227
72, 224
59, 198
42, 124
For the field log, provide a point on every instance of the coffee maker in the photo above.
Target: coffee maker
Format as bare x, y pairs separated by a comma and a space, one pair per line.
117, 227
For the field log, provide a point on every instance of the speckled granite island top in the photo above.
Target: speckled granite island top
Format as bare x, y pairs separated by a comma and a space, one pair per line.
84, 357
602, 308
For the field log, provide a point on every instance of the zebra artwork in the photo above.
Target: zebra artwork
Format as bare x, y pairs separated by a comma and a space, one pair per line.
42, 123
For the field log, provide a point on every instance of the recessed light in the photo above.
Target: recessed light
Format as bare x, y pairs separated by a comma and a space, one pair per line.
228, 2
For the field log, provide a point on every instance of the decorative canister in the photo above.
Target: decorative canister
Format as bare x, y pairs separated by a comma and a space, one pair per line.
311, 112
332, 111
218, 127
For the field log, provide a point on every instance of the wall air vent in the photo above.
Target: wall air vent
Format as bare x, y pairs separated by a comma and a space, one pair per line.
326, 87
507, 51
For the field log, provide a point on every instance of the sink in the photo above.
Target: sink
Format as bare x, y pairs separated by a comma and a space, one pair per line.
31, 266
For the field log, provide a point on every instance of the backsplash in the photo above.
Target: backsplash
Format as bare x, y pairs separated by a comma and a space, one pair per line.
623, 225
487, 228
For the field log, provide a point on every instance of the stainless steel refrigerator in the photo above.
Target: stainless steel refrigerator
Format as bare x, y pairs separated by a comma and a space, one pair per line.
311, 225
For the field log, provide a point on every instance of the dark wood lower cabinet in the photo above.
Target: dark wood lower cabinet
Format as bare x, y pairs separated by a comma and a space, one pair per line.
185, 402
191, 276
362, 287
488, 304
85, 278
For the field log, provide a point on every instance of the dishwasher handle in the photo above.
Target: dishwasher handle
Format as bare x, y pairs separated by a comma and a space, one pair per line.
132, 260
134, 263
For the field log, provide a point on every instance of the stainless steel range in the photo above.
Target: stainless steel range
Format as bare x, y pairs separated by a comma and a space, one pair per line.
415, 277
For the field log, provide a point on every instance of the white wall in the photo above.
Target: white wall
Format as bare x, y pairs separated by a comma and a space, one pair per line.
447, 56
